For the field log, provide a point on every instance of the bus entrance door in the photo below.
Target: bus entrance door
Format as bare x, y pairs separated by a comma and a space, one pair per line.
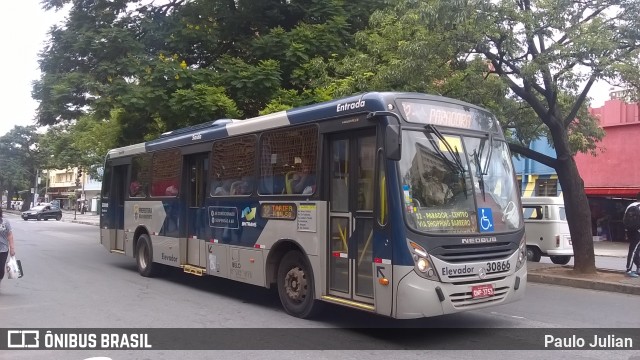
196, 220
351, 176
116, 201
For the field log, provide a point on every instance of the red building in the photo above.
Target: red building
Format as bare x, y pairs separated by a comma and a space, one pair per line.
612, 178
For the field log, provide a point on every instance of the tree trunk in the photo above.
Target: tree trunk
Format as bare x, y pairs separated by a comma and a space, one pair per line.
576, 204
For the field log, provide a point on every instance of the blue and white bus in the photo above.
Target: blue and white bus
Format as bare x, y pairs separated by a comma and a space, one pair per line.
400, 204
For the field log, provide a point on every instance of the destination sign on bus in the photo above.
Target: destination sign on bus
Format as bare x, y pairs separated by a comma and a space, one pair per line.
430, 220
278, 211
447, 114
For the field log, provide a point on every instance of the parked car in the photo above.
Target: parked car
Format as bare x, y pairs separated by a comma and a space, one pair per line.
42, 212
547, 230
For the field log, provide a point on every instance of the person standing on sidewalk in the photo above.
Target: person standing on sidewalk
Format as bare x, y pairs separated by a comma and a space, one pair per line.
633, 234
6, 243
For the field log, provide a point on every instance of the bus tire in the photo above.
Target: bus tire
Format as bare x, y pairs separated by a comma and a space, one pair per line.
296, 286
533, 254
144, 257
560, 259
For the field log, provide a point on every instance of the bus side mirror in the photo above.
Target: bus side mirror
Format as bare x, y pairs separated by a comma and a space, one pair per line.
392, 142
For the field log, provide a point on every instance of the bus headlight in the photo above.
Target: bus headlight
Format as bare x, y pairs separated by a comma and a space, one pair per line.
522, 253
424, 267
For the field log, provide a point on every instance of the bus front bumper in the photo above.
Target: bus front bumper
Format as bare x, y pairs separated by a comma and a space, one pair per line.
418, 297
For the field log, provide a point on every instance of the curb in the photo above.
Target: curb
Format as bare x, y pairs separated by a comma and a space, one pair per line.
83, 222
584, 284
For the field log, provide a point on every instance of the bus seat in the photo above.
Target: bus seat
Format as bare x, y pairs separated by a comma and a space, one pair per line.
236, 188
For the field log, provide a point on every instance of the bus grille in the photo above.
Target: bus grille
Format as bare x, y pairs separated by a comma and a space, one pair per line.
464, 299
473, 253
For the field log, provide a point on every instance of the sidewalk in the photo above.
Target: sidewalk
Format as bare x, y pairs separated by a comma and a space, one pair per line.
86, 218
604, 280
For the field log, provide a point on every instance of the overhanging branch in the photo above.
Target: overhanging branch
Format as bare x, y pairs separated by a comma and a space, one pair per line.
534, 155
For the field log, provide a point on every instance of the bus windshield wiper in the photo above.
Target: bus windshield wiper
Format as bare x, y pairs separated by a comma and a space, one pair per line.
480, 173
485, 169
454, 154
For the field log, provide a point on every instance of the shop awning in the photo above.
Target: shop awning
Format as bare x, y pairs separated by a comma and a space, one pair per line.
629, 192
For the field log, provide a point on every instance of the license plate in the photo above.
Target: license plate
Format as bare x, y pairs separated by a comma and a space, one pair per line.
482, 291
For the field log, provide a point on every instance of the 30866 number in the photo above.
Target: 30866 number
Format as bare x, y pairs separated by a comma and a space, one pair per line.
498, 266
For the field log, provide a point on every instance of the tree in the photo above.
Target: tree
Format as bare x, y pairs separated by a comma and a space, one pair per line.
398, 52
161, 67
630, 80
20, 161
549, 53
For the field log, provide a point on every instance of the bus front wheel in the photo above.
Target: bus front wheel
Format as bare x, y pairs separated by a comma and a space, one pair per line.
296, 286
144, 257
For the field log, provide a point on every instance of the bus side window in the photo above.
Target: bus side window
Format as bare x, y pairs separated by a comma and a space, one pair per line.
233, 166
166, 169
288, 161
140, 176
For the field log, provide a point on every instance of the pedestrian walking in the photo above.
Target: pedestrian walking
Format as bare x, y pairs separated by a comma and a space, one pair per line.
6, 243
631, 221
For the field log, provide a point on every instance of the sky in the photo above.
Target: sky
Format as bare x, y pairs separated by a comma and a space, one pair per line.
23, 33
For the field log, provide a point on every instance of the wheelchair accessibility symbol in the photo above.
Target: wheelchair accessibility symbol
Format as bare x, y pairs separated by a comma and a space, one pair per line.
485, 219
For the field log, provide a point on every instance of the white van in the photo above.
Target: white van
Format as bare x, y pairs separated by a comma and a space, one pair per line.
547, 230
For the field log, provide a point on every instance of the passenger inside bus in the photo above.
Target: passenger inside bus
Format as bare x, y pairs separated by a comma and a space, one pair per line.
136, 190
303, 181
222, 188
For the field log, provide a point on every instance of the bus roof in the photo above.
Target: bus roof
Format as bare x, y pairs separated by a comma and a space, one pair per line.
211, 130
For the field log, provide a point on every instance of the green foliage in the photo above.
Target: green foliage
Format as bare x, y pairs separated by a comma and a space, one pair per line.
153, 68
19, 159
197, 102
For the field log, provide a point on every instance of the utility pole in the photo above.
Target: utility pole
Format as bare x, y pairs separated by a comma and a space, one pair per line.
35, 191
77, 190
46, 187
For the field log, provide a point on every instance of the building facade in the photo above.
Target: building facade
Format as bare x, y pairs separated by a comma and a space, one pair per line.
537, 179
61, 187
612, 178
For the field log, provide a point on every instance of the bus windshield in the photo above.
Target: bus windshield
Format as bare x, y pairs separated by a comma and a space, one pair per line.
479, 195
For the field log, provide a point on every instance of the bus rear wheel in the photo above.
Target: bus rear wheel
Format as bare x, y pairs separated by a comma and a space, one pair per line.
296, 286
144, 257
